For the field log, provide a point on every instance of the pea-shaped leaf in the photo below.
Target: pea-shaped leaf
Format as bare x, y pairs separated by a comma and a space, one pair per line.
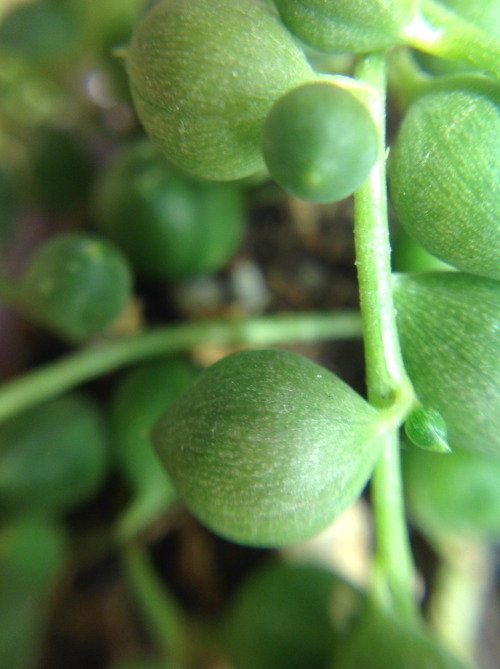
484, 15
408, 256
449, 324
320, 142
381, 641
139, 401
76, 285
59, 168
427, 429
267, 448
288, 617
43, 32
143, 664
52, 457
445, 175
456, 494
7, 205
203, 75
167, 224
351, 26
31, 553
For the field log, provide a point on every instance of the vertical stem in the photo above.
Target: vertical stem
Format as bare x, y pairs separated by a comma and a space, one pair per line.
387, 381
386, 376
394, 577
160, 611
463, 580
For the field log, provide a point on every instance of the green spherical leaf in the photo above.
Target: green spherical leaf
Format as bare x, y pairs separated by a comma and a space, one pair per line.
267, 448
485, 15
59, 167
351, 26
143, 664
31, 554
457, 494
445, 175
408, 256
204, 74
288, 617
76, 284
426, 428
449, 324
7, 205
168, 224
52, 457
320, 142
139, 401
382, 641
31, 550
42, 32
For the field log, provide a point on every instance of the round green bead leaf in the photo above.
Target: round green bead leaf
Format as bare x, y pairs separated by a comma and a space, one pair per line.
7, 205
76, 285
31, 553
409, 256
445, 176
267, 448
449, 324
457, 494
485, 14
427, 428
286, 617
143, 664
167, 224
351, 26
204, 74
52, 457
320, 142
43, 32
60, 168
382, 641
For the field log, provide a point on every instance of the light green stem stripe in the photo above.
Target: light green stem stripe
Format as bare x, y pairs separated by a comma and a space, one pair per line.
387, 380
394, 569
388, 385
106, 356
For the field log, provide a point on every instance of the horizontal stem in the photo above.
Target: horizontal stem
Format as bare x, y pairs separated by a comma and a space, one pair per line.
106, 356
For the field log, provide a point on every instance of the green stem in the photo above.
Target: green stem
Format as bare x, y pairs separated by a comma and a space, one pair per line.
387, 380
160, 611
441, 32
407, 80
388, 385
394, 576
462, 582
55, 378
